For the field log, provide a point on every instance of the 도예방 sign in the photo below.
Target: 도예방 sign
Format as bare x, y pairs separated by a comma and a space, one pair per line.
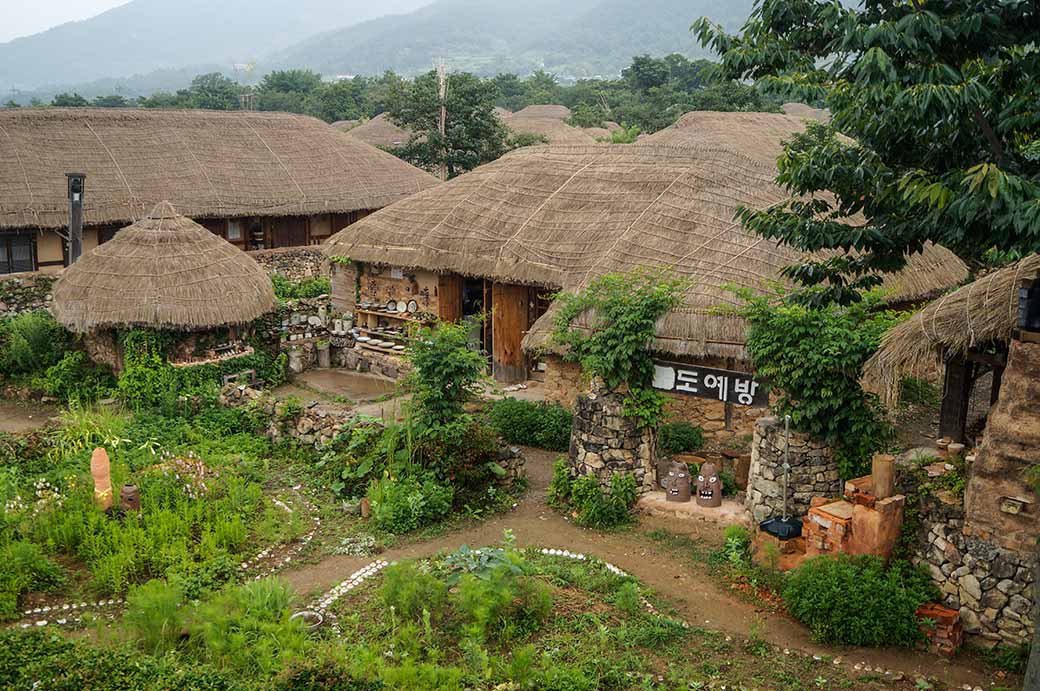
704, 382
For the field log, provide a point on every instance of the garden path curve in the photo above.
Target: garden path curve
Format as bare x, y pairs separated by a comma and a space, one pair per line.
681, 581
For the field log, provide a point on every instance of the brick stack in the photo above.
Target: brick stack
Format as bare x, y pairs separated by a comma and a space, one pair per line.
827, 528
943, 628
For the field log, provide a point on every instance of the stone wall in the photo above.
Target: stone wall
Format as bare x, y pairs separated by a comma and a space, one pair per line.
814, 472
605, 442
563, 382
25, 292
294, 263
981, 549
363, 360
316, 424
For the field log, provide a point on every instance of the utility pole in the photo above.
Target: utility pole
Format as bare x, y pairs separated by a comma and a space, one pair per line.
77, 184
442, 82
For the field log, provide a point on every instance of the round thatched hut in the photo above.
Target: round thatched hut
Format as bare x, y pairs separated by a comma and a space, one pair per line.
163, 272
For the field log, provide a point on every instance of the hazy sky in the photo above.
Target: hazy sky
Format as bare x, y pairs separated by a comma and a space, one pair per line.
24, 17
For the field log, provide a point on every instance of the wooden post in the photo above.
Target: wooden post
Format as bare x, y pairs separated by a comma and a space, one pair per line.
953, 416
883, 474
509, 322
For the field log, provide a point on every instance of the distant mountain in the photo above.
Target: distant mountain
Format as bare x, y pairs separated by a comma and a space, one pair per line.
578, 38
147, 35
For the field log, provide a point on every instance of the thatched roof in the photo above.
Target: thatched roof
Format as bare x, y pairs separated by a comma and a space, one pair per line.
759, 136
555, 130
547, 111
806, 112
379, 131
560, 216
979, 314
163, 271
210, 164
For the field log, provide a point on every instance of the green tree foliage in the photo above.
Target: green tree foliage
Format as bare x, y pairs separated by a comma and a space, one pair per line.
938, 104
445, 375
544, 425
473, 133
67, 100
112, 101
813, 358
625, 309
30, 343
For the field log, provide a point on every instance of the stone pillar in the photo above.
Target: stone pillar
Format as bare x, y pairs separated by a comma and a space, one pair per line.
605, 442
814, 472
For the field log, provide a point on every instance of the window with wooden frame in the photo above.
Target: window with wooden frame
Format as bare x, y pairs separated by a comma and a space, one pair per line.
17, 252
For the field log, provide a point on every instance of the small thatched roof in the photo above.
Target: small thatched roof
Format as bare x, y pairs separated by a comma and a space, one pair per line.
979, 314
210, 164
379, 131
165, 271
759, 136
555, 130
551, 112
559, 216
806, 112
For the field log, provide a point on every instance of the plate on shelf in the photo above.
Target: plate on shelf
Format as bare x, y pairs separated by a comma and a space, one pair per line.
413, 306
398, 348
363, 339
391, 305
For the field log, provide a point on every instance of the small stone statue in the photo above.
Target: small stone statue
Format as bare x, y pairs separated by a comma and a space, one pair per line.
709, 487
100, 468
677, 483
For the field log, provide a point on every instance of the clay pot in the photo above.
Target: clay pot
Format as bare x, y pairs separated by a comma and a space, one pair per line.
130, 498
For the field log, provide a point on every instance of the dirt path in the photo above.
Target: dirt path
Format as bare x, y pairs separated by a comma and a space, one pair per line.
17, 417
682, 582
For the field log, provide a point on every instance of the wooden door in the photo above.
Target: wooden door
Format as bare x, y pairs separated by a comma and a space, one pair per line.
509, 316
449, 297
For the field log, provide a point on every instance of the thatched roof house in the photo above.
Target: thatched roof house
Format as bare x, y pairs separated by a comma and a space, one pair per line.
556, 217
976, 317
165, 271
278, 178
380, 132
551, 112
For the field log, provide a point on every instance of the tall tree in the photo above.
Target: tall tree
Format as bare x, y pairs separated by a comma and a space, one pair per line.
474, 134
214, 91
938, 102
67, 100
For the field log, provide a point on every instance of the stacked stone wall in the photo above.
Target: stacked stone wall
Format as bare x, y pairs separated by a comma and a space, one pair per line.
294, 263
814, 472
27, 292
604, 442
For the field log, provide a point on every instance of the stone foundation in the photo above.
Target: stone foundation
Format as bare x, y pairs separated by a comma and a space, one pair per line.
26, 292
605, 442
814, 472
294, 263
364, 360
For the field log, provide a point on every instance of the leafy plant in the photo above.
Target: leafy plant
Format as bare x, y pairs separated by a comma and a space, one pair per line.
23, 569
679, 437
624, 311
155, 617
858, 601
408, 503
75, 378
604, 510
305, 289
31, 342
625, 135
544, 425
411, 592
813, 358
446, 372
559, 494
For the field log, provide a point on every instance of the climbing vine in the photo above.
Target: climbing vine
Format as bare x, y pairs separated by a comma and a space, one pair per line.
623, 311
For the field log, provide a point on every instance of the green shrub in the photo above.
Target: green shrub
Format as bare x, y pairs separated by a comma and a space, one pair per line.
858, 601
31, 342
408, 503
411, 592
322, 675
628, 599
604, 510
23, 569
503, 605
559, 494
679, 437
305, 289
75, 378
544, 425
154, 616
445, 375
247, 629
